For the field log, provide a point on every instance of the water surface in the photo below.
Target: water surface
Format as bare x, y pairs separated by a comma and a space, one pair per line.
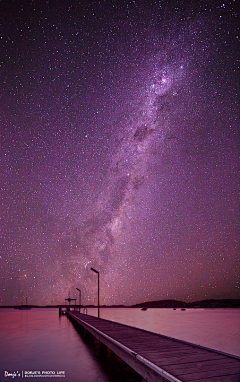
38, 340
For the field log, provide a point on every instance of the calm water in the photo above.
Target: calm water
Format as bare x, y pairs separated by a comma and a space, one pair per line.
215, 328
38, 340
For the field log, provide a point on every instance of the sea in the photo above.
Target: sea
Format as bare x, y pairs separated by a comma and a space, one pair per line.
37, 343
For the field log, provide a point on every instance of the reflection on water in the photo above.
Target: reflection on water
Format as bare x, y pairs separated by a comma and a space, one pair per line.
38, 340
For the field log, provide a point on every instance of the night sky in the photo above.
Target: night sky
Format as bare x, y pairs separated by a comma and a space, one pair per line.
119, 150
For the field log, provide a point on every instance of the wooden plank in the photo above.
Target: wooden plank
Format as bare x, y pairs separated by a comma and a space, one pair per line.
182, 359
222, 378
173, 353
203, 366
207, 374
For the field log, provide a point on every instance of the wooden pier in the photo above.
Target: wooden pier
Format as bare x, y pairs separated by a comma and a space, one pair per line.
160, 358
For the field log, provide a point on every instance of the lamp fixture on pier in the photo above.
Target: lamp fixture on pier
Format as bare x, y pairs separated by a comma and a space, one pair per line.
94, 270
79, 299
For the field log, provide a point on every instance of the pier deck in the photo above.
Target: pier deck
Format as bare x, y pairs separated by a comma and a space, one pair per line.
160, 358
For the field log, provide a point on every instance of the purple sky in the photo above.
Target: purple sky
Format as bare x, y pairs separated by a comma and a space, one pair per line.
119, 150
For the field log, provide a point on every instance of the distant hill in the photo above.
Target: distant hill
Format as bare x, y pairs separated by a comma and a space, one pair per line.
161, 304
225, 303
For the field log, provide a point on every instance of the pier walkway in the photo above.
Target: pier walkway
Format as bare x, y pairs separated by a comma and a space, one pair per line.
160, 358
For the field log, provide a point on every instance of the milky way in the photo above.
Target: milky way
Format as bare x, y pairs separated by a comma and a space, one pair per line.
119, 151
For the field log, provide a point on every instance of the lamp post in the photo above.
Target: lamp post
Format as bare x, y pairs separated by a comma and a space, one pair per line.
79, 299
94, 270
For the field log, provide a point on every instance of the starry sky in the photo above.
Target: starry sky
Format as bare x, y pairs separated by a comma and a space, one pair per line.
119, 150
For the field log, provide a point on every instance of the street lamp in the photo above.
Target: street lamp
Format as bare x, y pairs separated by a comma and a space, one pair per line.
79, 299
94, 270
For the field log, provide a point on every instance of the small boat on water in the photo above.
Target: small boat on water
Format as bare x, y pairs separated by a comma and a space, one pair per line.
144, 308
183, 309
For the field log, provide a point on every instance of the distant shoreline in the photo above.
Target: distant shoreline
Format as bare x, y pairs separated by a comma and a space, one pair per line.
211, 303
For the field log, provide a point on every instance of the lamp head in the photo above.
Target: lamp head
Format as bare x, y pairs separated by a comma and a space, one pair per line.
94, 270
